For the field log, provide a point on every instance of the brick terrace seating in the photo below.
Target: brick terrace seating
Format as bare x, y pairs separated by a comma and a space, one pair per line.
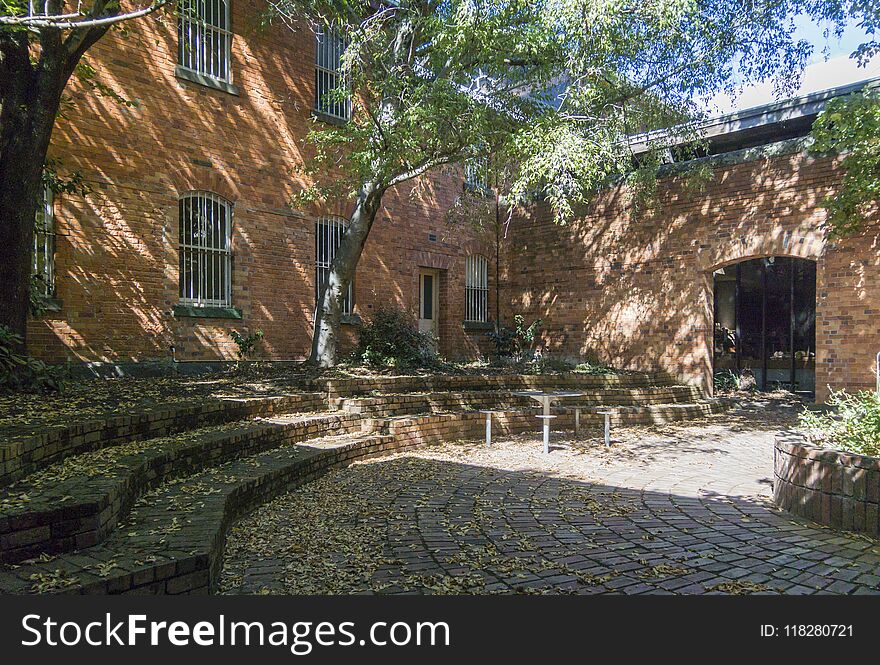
176, 477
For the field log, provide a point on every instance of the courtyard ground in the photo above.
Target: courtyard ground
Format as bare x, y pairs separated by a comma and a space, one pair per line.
681, 509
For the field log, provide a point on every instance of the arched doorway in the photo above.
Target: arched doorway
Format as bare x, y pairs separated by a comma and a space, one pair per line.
765, 322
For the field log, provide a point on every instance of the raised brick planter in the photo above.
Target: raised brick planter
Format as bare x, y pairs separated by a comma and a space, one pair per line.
837, 489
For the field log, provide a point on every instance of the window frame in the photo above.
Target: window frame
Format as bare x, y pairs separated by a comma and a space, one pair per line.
199, 19
337, 226
329, 78
476, 289
44, 243
221, 257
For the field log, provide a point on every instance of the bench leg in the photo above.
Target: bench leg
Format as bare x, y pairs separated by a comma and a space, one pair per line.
577, 421
546, 436
488, 429
607, 429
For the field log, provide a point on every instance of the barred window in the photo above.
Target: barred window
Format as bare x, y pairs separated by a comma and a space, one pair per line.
205, 250
328, 236
476, 175
44, 245
476, 289
205, 38
330, 44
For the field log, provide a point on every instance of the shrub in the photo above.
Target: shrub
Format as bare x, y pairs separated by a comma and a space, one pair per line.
594, 368
853, 425
21, 372
517, 342
391, 338
729, 381
247, 344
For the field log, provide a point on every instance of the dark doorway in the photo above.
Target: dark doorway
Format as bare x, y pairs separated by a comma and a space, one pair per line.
765, 322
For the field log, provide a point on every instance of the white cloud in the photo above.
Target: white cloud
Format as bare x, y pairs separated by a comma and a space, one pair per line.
818, 76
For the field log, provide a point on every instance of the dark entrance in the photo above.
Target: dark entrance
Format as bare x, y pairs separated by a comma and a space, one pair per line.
765, 322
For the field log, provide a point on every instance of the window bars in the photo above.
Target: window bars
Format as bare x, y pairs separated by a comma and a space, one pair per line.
328, 236
205, 38
205, 250
476, 289
330, 44
44, 245
476, 175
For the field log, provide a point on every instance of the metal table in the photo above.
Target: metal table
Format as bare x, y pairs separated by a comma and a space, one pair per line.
545, 399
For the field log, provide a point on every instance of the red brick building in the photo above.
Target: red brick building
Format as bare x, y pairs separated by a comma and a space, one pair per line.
736, 275
189, 234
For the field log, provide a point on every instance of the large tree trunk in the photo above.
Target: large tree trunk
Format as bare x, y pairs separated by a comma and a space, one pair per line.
328, 312
30, 96
24, 139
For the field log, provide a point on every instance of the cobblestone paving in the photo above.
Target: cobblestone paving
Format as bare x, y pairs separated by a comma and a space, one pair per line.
680, 509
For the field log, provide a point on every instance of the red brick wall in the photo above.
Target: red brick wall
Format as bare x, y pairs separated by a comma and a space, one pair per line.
116, 254
635, 289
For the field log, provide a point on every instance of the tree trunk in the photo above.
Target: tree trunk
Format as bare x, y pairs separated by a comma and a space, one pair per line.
24, 140
328, 312
30, 96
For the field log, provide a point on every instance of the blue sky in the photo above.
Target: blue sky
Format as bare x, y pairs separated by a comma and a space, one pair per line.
830, 66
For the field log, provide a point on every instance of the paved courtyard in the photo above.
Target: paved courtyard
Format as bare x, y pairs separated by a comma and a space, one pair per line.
681, 509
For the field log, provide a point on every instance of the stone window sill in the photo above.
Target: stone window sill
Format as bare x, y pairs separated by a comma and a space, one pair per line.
192, 311
351, 320
478, 325
207, 81
329, 119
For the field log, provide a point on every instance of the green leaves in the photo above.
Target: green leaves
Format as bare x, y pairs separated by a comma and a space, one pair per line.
849, 127
550, 89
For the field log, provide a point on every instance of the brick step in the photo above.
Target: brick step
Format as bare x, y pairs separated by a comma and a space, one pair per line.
653, 414
349, 387
173, 539
25, 454
393, 404
78, 502
172, 542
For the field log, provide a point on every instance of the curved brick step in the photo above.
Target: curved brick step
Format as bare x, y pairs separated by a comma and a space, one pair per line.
78, 502
25, 454
173, 539
388, 405
335, 388
654, 414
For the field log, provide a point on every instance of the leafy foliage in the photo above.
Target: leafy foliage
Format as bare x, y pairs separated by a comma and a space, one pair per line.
594, 368
246, 344
854, 425
548, 90
515, 342
20, 372
728, 380
850, 128
391, 338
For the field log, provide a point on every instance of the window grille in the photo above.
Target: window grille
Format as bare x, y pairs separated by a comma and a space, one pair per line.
44, 245
328, 236
205, 250
476, 289
205, 38
476, 175
329, 47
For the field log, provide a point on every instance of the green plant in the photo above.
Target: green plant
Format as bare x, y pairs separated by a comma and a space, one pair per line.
515, 342
247, 344
391, 338
853, 424
728, 380
19, 371
594, 368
